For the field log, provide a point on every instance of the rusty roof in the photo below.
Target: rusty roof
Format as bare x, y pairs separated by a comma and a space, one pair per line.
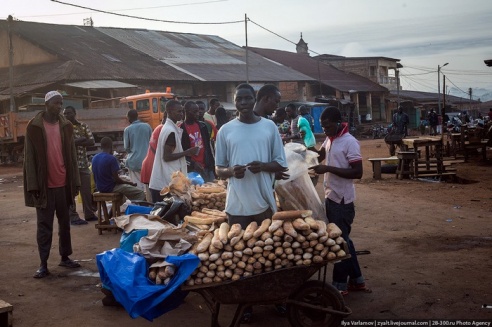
205, 57
84, 53
329, 75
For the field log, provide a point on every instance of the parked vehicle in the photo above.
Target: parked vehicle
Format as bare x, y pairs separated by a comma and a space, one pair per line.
379, 131
103, 121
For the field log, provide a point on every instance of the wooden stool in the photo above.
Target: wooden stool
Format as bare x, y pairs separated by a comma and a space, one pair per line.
6, 311
116, 200
406, 164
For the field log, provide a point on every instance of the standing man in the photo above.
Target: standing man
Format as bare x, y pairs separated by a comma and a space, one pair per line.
106, 167
267, 101
291, 111
51, 178
169, 156
343, 164
136, 139
210, 114
195, 134
148, 162
212, 129
249, 152
83, 138
304, 112
433, 121
400, 121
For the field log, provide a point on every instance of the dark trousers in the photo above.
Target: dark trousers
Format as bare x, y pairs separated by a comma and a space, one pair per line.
244, 221
56, 203
88, 204
343, 216
156, 195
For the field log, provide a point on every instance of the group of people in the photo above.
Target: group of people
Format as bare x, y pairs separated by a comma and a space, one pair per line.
248, 151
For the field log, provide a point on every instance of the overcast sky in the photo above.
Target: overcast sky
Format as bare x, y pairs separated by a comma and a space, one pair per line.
421, 33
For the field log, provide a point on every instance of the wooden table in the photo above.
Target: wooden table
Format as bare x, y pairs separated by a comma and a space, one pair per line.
431, 162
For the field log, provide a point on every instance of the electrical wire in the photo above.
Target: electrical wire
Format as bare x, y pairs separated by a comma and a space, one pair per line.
148, 19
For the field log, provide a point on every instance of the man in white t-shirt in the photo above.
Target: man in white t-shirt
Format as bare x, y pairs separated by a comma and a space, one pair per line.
249, 151
343, 164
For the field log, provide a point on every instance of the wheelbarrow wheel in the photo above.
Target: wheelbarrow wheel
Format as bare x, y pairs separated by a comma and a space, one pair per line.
321, 295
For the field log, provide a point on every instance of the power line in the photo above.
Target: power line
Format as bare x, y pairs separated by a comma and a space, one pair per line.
144, 18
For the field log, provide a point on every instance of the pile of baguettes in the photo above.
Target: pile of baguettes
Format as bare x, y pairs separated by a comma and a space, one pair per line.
209, 196
289, 239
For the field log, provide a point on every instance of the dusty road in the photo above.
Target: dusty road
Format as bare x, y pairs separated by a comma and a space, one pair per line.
430, 244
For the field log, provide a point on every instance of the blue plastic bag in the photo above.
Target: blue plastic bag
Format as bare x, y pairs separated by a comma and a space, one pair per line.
125, 274
195, 178
127, 240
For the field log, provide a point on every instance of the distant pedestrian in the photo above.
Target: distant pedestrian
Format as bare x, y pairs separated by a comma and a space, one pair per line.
83, 138
400, 122
136, 139
210, 114
433, 121
221, 116
51, 178
304, 112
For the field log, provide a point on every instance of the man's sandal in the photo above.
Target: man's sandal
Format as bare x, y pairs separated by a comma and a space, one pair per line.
69, 264
359, 288
41, 272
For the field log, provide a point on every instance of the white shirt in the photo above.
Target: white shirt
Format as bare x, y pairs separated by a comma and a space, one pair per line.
340, 153
162, 170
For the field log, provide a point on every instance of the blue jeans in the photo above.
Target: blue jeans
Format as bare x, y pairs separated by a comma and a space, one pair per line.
343, 215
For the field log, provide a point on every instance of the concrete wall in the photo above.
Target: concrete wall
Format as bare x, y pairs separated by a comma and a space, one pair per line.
25, 53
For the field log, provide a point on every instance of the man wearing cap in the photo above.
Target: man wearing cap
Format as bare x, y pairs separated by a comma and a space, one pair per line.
51, 178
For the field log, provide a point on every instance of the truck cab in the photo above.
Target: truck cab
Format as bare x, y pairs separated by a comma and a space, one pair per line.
150, 106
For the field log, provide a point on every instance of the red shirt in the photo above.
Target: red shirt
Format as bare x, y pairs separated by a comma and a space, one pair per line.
56, 166
196, 140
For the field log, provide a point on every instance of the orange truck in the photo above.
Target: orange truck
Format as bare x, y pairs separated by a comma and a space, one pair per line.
103, 121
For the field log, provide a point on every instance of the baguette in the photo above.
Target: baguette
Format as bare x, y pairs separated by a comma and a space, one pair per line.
291, 214
263, 228
210, 189
223, 231
205, 243
248, 233
311, 222
214, 212
276, 224
234, 231
203, 221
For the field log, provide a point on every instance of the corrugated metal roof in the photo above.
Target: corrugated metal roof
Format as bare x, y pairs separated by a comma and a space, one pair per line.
92, 54
419, 96
101, 85
328, 74
206, 57
19, 90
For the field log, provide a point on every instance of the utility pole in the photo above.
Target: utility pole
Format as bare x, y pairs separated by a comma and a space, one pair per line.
247, 55
397, 72
11, 63
470, 93
439, 88
443, 123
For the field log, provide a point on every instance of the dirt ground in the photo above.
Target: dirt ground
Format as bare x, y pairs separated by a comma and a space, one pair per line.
430, 256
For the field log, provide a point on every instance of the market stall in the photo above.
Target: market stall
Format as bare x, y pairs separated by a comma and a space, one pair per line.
270, 262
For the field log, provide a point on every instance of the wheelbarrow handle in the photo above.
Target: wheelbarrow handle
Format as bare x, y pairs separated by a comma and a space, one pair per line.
346, 313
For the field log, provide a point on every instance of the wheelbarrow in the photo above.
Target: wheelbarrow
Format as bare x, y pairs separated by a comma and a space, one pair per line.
309, 302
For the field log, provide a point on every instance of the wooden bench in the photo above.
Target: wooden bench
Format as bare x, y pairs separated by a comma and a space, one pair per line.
376, 165
6, 311
116, 200
406, 164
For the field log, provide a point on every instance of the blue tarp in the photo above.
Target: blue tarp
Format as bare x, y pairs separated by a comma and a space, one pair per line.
128, 239
126, 275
